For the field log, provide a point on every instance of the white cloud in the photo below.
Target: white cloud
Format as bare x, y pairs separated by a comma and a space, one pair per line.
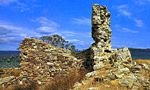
142, 2
49, 27
69, 33
139, 23
13, 33
73, 40
77, 41
123, 10
46, 25
82, 21
22, 6
17, 5
10, 27
46, 21
124, 29
6, 2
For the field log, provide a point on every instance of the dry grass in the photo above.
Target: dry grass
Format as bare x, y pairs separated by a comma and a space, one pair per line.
66, 82
59, 82
142, 61
5, 72
30, 86
146, 73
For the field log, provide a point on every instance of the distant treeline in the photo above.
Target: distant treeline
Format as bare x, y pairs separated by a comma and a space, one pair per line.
9, 59
140, 53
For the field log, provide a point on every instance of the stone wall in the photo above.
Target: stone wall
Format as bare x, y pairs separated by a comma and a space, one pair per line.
40, 60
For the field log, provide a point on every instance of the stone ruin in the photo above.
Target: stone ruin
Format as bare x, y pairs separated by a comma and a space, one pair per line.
101, 31
117, 64
101, 50
101, 34
41, 61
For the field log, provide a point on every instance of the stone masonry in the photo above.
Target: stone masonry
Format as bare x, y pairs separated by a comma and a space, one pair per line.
101, 33
101, 50
117, 64
40, 62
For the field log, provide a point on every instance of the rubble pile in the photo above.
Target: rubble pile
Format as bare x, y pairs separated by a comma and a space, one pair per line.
111, 65
40, 60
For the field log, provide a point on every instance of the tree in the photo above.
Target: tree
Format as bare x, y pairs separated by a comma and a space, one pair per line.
58, 41
70, 46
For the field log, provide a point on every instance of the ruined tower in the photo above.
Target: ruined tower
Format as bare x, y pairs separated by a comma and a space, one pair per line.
101, 52
101, 33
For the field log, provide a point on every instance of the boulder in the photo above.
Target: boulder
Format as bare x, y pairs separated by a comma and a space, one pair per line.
128, 80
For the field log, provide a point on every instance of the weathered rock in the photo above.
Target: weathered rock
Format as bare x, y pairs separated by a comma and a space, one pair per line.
135, 88
123, 55
128, 80
98, 66
93, 88
136, 68
144, 66
121, 72
90, 74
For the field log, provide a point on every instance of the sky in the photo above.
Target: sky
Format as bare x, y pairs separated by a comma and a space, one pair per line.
19, 19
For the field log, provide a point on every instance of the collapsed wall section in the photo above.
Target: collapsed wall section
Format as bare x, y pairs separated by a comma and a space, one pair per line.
41, 61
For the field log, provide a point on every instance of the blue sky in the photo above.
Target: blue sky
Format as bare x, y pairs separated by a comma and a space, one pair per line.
130, 21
